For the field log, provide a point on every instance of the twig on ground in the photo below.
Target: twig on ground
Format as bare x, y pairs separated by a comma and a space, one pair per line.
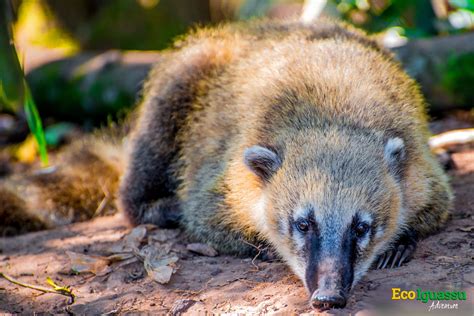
259, 249
55, 289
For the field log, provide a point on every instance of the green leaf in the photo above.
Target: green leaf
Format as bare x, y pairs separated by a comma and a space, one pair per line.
34, 122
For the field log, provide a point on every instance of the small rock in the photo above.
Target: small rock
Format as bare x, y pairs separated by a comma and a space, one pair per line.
202, 249
181, 306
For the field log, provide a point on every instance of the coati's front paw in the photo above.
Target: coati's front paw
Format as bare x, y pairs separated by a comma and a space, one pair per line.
394, 258
401, 252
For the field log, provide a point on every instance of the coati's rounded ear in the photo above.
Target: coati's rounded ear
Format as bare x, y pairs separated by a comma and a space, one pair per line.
262, 161
395, 154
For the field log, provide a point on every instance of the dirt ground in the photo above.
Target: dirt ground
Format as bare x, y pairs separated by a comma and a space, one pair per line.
225, 284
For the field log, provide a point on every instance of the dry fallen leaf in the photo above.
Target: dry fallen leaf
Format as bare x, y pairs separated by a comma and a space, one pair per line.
130, 242
158, 263
83, 263
161, 274
156, 255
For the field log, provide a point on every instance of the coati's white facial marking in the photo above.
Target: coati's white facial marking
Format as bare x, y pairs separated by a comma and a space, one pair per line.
298, 267
300, 213
363, 267
366, 219
258, 213
379, 231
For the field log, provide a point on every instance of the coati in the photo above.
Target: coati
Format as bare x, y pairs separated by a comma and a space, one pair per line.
308, 138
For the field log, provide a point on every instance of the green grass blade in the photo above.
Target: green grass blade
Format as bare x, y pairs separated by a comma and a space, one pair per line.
36, 127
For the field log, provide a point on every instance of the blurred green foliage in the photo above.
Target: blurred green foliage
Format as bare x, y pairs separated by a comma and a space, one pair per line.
90, 89
152, 24
127, 24
458, 82
419, 18
14, 91
11, 75
54, 134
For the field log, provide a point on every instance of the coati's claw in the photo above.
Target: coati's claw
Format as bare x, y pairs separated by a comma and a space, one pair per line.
380, 260
387, 259
406, 255
394, 259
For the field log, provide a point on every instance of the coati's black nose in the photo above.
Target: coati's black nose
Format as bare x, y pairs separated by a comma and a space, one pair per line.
323, 300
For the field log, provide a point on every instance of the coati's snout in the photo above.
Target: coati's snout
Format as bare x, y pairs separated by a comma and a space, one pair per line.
328, 280
330, 256
325, 282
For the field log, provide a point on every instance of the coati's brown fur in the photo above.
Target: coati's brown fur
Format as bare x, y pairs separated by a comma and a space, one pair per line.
251, 132
83, 184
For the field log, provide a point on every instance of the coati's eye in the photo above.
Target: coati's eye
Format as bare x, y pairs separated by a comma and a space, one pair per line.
302, 225
362, 229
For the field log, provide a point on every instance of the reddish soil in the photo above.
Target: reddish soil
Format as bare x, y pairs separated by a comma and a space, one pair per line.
225, 284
